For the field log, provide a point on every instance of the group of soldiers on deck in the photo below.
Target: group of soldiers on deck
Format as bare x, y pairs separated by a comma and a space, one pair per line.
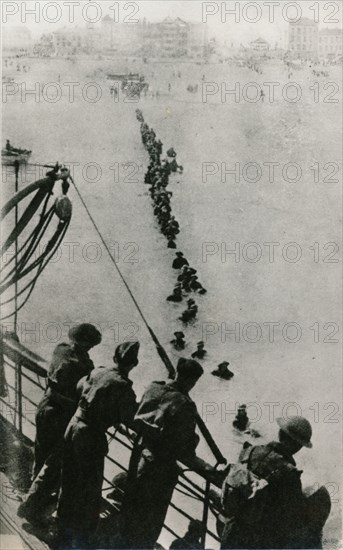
82, 402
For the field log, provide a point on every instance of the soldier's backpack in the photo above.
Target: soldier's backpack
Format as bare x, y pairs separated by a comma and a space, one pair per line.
243, 492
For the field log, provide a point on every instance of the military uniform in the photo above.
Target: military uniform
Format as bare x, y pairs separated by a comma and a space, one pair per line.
107, 399
200, 352
270, 521
166, 420
179, 262
69, 364
176, 296
178, 344
223, 373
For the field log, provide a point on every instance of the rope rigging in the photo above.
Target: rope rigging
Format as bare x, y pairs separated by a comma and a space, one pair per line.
31, 243
28, 263
31, 285
30, 239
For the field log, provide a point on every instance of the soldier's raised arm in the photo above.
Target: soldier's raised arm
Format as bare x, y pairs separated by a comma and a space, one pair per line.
128, 407
186, 436
125, 359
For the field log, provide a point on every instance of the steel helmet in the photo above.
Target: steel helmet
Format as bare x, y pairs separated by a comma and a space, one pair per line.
127, 353
297, 428
85, 332
188, 368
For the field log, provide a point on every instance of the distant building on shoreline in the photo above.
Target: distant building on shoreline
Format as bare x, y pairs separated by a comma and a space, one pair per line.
175, 38
76, 41
259, 45
122, 38
167, 39
330, 43
45, 46
303, 38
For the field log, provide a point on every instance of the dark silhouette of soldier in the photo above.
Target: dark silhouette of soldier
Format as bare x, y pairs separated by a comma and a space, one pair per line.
166, 422
70, 362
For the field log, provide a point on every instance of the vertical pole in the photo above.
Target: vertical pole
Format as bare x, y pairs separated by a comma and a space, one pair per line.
18, 402
205, 513
16, 170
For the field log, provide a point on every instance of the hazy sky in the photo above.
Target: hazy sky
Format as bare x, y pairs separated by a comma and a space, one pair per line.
247, 21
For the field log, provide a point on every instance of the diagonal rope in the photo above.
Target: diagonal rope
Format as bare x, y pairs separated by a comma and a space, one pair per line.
114, 262
109, 252
162, 353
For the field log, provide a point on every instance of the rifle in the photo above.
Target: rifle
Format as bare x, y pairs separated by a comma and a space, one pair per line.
200, 423
163, 355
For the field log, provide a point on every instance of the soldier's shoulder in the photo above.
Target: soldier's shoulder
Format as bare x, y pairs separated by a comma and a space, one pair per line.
274, 462
99, 371
184, 403
121, 382
63, 350
62, 347
156, 385
109, 373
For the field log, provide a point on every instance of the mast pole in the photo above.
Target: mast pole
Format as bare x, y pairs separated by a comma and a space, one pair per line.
17, 385
16, 170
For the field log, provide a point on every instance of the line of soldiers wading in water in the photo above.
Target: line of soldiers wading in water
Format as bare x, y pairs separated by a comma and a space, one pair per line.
157, 176
262, 503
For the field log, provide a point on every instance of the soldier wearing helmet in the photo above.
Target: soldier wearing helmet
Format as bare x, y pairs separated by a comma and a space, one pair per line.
70, 362
274, 517
295, 432
179, 261
107, 399
165, 422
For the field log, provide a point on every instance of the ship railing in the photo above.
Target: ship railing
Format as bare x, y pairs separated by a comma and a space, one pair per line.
22, 383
